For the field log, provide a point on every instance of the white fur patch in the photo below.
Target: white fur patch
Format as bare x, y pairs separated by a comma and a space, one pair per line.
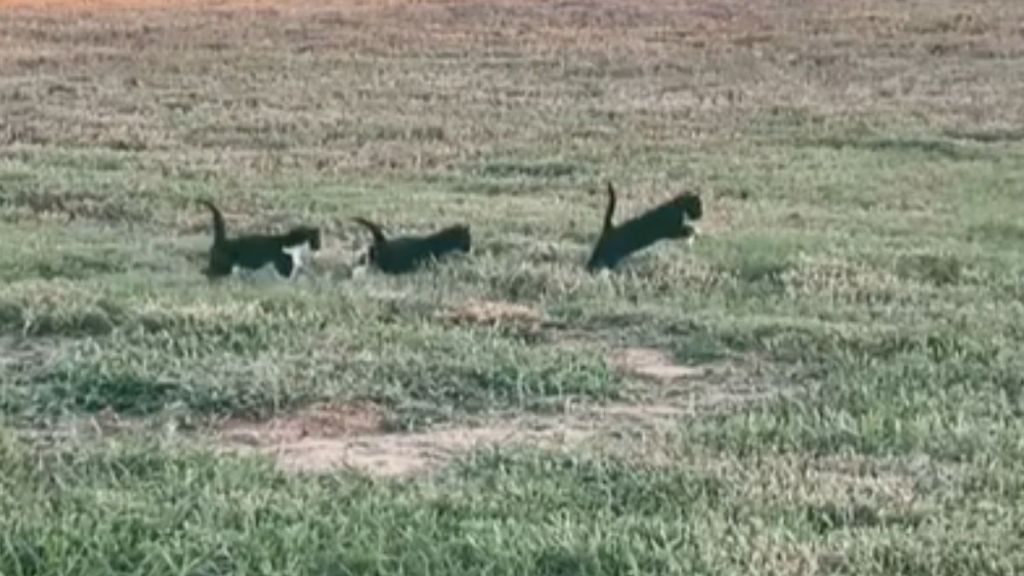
300, 254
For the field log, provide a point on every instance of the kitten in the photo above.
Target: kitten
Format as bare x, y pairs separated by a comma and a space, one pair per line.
667, 221
286, 252
406, 253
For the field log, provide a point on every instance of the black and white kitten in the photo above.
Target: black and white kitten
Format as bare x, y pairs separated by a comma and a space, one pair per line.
406, 253
670, 220
285, 252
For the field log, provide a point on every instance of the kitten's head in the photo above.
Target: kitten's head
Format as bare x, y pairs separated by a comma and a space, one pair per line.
693, 208
454, 238
461, 237
314, 241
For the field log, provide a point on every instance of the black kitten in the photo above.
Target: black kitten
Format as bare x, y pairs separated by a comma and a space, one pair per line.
406, 253
667, 221
283, 251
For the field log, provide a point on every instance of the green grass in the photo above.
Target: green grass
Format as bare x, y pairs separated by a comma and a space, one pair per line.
860, 260
155, 509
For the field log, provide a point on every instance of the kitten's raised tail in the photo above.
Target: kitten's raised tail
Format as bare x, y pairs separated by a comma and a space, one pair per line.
378, 235
220, 233
610, 210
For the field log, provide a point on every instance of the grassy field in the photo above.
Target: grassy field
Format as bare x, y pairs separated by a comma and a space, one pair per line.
828, 381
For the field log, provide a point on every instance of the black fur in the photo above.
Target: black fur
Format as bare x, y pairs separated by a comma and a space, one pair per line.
667, 221
406, 253
255, 251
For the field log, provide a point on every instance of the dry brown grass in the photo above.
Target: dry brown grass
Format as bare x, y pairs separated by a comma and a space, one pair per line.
329, 437
207, 84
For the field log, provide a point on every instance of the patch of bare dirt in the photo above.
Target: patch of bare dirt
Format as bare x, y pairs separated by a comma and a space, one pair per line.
399, 454
15, 352
320, 421
326, 438
492, 313
654, 365
331, 437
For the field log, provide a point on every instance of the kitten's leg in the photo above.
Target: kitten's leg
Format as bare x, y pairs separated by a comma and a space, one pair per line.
300, 256
218, 269
689, 233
